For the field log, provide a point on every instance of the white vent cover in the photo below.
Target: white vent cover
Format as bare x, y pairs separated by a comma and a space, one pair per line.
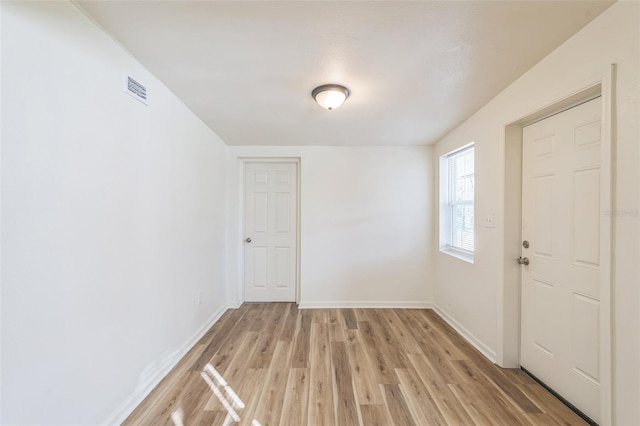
136, 89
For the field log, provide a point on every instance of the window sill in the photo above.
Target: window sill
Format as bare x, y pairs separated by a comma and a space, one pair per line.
467, 257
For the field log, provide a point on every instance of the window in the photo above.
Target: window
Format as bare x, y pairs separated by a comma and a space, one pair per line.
456, 200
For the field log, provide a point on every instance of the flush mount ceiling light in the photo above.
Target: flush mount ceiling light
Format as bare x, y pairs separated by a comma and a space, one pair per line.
330, 96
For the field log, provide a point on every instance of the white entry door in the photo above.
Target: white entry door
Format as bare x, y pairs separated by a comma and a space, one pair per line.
561, 221
270, 231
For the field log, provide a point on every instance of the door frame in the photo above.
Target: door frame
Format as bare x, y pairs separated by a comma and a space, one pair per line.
509, 295
253, 160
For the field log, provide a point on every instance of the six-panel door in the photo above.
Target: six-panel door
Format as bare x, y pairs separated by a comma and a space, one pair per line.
270, 231
560, 287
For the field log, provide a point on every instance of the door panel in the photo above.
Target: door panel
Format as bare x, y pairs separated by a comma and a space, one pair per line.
543, 229
586, 217
543, 336
283, 207
270, 231
260, 213
560, 286
282, 267
585, 342
258, 261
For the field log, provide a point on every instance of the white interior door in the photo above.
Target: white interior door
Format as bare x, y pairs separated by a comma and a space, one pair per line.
270, 231
561, 221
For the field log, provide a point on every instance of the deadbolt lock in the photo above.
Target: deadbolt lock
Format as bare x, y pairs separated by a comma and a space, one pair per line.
525, 244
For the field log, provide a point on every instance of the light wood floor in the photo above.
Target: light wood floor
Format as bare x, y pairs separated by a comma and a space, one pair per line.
270, 364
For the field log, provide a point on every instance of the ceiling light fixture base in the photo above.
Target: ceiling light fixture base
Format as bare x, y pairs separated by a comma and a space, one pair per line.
330, 96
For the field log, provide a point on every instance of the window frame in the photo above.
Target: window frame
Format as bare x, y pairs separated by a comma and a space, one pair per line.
446, 229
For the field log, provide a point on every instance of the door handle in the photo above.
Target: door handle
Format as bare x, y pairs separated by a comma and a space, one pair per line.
523, 260
248, 240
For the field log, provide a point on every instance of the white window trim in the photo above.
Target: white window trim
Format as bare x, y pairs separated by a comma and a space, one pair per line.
444, 228
466, 255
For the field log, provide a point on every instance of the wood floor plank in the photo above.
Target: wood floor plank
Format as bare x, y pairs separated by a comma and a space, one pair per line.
471, 393
271, 400
361, 314
234, 346
320, 316
418, 398
218, 340
442, 363
321, 404
264, 352
478, 413
449, 406
505, 413
401, 332
400, 413
262, 312
290, 325
383, 371
337, 327
467, 371
519, 377
435, 332
431, 345
191, 395
508, 387
375, 415
480, 363
171, 381
296, 399
386, 340
553, 406
237, 370
222, 322
350, 319
486, 402
346, 407
543, 419
214, 418
420, 330
301, 350
249, 392
193, 400
437, 347
270, 363
167, 402
367, 389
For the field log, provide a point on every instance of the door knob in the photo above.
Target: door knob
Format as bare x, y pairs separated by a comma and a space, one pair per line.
523, 260
248, 240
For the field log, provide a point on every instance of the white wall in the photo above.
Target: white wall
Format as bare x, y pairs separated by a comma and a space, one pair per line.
365, 225
470, 293
113, 219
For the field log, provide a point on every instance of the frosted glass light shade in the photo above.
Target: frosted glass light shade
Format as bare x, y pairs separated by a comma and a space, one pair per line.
330, 96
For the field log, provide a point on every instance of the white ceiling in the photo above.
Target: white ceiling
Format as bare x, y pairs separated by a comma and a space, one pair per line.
415, 69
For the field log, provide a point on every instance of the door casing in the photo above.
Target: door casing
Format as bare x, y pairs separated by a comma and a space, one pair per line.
509, 293
251, 160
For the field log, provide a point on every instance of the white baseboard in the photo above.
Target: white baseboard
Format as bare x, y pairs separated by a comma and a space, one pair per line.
231, 304
120, 415
477, 343
383, 305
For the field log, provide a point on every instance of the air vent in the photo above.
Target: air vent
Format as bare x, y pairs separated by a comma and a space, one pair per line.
136, 89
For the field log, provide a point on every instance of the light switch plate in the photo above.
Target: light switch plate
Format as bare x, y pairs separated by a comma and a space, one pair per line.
488, 221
